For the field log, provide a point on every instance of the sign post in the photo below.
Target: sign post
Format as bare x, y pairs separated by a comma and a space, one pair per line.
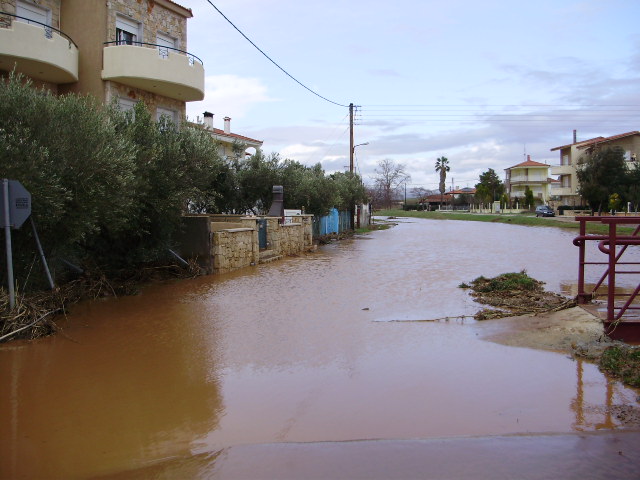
16, 208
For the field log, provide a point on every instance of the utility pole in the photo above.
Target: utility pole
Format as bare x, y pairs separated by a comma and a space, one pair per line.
351, 147
351, 152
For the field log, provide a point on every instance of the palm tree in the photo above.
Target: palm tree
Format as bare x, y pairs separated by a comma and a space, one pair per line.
442, 166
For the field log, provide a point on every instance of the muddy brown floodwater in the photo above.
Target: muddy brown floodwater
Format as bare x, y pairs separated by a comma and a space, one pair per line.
324, 347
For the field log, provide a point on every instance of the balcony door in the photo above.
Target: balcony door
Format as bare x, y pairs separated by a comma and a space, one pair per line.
34, 15
31, 12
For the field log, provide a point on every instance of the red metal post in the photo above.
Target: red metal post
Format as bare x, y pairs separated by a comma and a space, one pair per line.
583, 297
611, 281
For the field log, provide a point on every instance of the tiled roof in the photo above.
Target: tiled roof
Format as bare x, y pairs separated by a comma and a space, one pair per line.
529, 163
577, 143
465, 190
231, 136
609, 139
436, 198
217, 131
593, 141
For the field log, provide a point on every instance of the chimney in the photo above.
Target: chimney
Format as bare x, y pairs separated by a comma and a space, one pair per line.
227, 124
208, 120
575, 136
277, 205
528, 158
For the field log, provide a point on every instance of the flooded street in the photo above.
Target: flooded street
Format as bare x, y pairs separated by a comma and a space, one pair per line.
325, 347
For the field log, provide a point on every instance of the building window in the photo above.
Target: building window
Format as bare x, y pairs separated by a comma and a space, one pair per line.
565, 160
165, 44
170, 115
128, 31
127, 105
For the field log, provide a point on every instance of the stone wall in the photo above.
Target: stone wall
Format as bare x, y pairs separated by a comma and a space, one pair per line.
153, 17
223, 246
233, 249
151, 100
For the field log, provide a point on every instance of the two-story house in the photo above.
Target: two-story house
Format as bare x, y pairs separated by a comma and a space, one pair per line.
117, 50
567, 189
534, 175
231, 144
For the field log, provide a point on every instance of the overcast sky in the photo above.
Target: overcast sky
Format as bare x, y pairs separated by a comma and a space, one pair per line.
482, 83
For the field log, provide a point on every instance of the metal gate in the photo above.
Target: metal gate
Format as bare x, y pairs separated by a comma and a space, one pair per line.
262, 233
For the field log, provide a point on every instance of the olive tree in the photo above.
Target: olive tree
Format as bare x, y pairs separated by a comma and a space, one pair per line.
601, 173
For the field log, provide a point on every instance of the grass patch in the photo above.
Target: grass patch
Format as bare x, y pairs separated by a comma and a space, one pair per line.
622, 362
373, 227
528, 219
517, 282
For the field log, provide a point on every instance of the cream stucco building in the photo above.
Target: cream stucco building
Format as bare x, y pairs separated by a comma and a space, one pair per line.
534, 175
566, 191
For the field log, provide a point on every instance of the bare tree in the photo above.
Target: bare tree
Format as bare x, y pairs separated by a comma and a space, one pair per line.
389, 176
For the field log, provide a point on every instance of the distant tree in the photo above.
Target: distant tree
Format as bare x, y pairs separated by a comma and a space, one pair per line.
442, 166
602, 173
389, 176
490, 187
529, 200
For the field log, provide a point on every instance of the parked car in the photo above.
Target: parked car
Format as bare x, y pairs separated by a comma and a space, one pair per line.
544, 211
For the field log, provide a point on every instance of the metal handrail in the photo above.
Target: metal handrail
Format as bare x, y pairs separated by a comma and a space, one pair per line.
47, 28
607, 244
192, 58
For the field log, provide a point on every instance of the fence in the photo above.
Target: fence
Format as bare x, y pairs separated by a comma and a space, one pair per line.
335, 222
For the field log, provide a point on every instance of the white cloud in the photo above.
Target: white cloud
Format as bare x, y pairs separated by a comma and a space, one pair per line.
229, 95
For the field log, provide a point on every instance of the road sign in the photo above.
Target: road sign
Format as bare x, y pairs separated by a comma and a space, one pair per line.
19, 205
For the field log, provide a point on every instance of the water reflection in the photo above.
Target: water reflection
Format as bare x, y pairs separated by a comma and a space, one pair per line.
296, 351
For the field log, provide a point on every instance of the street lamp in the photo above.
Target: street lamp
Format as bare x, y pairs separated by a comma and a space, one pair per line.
353, 152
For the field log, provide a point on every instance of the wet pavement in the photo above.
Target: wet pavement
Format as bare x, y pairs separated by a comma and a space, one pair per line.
359, 344
587, 456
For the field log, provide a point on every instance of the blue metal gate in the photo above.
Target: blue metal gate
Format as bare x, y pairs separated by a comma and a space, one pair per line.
262, 233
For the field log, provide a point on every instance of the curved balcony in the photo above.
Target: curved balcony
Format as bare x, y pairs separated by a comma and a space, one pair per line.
563, 169
155, 68
37, 50
562, 191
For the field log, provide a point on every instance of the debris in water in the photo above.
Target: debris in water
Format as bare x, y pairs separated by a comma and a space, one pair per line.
514, 294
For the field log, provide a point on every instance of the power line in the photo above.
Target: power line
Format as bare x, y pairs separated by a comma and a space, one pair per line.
495, 105
272, 61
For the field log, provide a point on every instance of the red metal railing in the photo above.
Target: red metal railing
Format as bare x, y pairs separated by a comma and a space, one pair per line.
613, 244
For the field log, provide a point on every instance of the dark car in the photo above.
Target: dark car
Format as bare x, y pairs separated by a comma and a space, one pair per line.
544, 211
